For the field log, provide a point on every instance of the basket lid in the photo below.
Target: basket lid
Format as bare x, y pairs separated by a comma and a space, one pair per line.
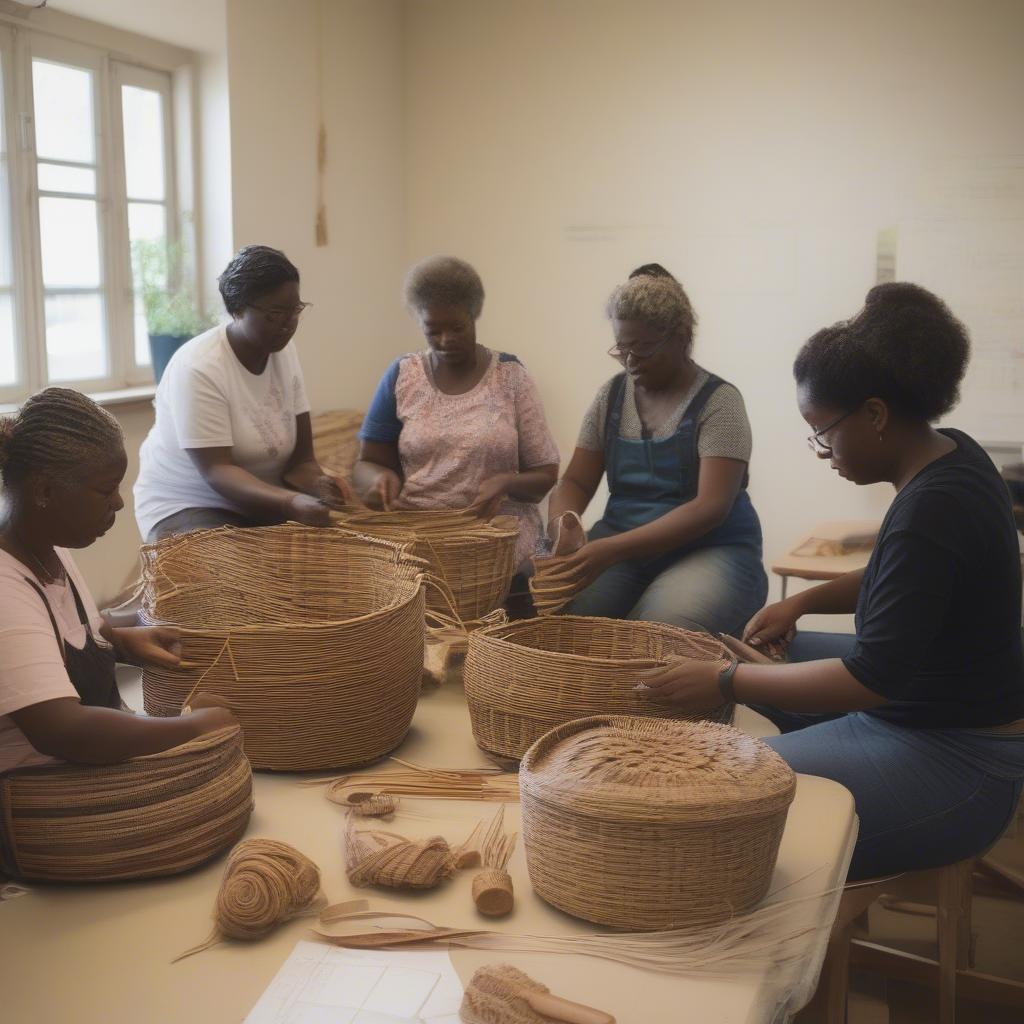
656, 771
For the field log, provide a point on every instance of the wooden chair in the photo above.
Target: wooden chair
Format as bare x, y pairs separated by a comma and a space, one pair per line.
948, 889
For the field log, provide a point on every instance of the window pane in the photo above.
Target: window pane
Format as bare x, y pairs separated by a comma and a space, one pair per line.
147, 222
63, 109
75, 344
55, 178
142, 354
143, 142
70, 243
8, 353
5, 205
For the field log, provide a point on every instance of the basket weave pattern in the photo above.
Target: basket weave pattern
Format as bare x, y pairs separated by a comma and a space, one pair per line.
474, 558
650, 825
155, 815
314, 638
524, 678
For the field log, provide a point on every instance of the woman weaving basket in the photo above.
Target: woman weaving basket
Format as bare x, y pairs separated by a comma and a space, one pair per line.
679, 541
62, 460
457, 425
233, 443
921, 713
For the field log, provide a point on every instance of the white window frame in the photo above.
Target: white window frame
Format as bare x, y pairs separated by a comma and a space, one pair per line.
17, 50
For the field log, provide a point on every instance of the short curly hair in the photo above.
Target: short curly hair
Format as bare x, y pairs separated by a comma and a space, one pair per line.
444, 279
904, 347
659, 301
253, 271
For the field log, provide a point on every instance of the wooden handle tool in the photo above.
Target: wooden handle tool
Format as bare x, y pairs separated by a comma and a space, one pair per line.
556, 1008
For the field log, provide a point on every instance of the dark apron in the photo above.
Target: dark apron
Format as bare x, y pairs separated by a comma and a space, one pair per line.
648, 478
91, 669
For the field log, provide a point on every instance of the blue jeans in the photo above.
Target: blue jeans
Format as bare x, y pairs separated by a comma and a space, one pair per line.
925, 797
716, 589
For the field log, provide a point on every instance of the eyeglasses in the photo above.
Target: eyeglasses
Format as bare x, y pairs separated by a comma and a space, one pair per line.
640, 355
815, 443
276, 317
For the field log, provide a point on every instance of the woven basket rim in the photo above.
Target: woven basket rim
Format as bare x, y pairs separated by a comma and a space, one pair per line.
680, 808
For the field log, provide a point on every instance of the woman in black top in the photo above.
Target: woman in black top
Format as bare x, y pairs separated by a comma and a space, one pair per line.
921, 713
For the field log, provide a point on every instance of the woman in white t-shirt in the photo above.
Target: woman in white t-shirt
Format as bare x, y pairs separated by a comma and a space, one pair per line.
62, 461
232, 444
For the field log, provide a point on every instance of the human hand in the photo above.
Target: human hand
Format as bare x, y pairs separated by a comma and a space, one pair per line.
582, 567
493, 491
687, 684
333, 491
149, 645
310, 511
385, 490
209, 719
773, 622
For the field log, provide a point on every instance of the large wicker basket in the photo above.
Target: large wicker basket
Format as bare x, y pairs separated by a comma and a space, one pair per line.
155, 815
649, 825
475, 559
524, 678
314, 638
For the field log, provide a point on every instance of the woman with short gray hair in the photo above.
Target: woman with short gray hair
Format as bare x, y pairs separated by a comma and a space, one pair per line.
679, 541
456, 425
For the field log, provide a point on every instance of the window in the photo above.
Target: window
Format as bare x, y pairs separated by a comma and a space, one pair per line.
86, 171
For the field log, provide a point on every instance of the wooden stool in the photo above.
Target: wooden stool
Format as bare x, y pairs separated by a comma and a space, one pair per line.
949, 889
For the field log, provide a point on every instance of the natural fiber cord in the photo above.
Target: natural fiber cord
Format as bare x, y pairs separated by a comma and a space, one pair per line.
314, 638
524, 678
646, 824
151, 816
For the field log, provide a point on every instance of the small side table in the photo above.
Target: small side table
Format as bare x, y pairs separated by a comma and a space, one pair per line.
826, 567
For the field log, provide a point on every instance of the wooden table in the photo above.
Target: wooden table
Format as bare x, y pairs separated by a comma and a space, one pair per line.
101, 954
825, 567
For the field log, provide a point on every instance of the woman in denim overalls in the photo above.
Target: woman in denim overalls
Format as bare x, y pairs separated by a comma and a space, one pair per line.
679, 541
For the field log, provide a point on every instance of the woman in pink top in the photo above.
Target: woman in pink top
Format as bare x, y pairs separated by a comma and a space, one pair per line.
457, 425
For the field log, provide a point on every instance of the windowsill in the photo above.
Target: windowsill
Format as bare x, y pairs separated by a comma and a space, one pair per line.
123, 396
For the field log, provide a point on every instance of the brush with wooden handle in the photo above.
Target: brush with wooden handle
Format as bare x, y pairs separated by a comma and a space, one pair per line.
502, 994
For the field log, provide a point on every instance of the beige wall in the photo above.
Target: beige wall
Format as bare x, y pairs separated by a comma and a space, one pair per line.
755, 149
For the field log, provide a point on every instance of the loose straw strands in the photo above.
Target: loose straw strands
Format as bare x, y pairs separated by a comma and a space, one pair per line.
473, 558
155, 815
551, 585
314, 638
265, 883
373, 857
523, 678
647, 824
427, 783
336, 440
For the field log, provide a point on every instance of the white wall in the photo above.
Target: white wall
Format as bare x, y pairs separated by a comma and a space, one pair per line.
755, 149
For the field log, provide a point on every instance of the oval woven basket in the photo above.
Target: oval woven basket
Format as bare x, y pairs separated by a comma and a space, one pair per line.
314, 638
151, 816
647, 825
475, 559
523, 678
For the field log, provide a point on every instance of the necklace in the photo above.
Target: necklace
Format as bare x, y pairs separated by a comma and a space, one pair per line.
38, 567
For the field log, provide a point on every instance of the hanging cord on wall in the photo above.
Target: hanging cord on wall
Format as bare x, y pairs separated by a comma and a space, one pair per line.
321, 139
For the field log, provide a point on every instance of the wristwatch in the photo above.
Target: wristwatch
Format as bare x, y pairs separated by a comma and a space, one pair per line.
725, 681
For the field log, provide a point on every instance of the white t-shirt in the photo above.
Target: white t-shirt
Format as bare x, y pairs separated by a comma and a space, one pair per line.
31, 664
208, 399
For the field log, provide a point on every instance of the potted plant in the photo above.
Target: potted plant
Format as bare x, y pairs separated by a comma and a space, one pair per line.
171, 314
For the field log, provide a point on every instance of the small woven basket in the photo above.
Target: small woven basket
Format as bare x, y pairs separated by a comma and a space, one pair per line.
475, 559
649, 825
314, 638
151, 816
526, 677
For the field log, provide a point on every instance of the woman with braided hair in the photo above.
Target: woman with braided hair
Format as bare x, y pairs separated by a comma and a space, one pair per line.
233, 443
62, 461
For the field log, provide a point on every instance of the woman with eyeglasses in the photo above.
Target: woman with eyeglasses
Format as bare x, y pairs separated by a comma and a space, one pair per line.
457, 425
232, 444
679, 541
920, 714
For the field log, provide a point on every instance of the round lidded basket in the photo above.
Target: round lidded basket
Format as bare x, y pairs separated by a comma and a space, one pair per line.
648, 825
313, 637
523, 678
473, 557
147, 817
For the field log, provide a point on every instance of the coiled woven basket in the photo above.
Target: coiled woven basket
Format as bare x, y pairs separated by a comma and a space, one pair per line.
313, 638
648, 825
474, 558
524, 678
155, 815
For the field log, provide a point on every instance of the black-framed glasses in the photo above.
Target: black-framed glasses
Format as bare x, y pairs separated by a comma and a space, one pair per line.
815, 443
283, 316
640, 355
